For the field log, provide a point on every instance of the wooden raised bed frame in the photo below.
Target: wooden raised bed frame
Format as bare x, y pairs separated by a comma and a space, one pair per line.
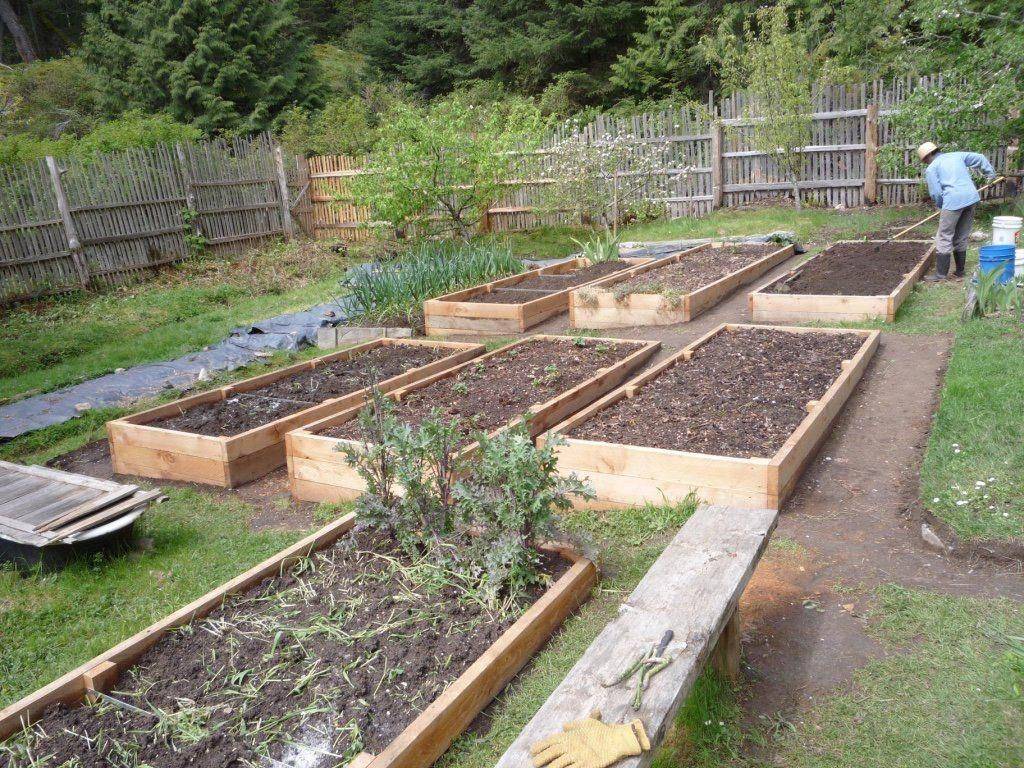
768, 307
434, 729
453, 313
595, 305
631, 475
137, 448
318, 470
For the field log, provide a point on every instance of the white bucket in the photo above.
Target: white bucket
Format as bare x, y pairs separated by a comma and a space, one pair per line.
1005, 229
1018, 262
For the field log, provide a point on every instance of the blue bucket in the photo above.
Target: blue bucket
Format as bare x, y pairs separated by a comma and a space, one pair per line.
993, 258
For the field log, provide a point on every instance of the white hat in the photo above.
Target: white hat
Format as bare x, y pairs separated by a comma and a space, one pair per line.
926, 149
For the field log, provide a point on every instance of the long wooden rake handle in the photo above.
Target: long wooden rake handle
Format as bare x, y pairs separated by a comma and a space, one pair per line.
925, 220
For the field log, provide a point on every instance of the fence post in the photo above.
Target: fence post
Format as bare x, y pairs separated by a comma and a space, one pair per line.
74, 244
717, 193
190, 191
871, 154
282, 188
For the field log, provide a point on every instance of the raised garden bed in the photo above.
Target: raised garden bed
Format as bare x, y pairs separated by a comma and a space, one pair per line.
674, 289
514, 304
848, 281
549, 377
733, 418
333, 647
234, 434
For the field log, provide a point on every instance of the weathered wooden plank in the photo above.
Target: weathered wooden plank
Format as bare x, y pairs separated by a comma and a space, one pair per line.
692, 589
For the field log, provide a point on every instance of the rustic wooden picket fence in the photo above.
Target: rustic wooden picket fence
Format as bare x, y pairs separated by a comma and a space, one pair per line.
68, 223
707, 158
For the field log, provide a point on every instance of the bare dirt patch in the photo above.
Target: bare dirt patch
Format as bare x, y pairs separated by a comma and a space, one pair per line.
742, 394
694, 271
247, 410
854, 269
489, 393
336, 656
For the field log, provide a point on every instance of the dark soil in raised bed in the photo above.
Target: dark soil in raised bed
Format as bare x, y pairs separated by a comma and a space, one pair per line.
509, 296
741, 394
576, 277
246, 410
854, 269
339, 654
540, 285
694, 271
488, 393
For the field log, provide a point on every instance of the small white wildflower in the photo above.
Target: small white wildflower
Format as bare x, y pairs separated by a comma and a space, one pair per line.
961, 502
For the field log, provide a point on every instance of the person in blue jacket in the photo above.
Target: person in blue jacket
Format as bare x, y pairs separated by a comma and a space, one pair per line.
952, 189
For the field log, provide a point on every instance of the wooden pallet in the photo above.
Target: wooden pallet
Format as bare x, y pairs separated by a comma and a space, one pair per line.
768, 307
630, 475
426, 738
40, 506
138, 448
454, 313
318, 470
596, 306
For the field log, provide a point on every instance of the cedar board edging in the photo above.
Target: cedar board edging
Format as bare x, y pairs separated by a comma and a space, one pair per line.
431, 732
799, 307
318, 470
626, 475
599, 308
139, 448
453, 313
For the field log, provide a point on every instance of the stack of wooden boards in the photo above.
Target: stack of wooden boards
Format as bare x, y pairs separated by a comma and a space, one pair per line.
41, 507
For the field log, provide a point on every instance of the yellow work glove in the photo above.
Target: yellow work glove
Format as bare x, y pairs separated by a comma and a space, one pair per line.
590, 743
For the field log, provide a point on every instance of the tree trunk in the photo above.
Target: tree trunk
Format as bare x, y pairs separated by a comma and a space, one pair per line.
22, 41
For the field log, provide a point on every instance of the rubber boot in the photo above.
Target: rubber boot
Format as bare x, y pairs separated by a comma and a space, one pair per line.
941, 268
960, 257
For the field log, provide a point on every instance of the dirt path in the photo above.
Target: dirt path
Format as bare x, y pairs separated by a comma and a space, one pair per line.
804, 631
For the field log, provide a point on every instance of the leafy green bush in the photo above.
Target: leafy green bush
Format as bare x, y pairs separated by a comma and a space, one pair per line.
429, 269
132, 129
508, 495
437, 167
479, 515
344, 126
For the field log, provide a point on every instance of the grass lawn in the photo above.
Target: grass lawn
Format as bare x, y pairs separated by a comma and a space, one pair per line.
51, 623
817, 225
973, 473
50, 344
948, 695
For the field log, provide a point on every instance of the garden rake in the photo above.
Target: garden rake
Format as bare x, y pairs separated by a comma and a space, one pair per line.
926, 219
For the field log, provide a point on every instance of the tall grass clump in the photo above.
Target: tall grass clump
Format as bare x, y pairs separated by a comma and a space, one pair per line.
397, 291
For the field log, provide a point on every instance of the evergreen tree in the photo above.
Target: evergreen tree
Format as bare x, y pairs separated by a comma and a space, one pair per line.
528, 46
417, 41
221, 65
664, 58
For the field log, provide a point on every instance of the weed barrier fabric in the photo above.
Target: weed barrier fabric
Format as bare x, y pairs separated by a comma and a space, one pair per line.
288, 332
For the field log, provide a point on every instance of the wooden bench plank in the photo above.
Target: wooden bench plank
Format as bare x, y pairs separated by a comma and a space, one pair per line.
692, 589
